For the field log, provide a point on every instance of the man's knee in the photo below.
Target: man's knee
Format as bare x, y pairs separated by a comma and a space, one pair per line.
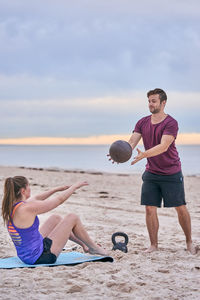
151, 210
182, 210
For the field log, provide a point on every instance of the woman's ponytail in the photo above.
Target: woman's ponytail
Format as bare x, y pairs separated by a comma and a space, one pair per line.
12, 192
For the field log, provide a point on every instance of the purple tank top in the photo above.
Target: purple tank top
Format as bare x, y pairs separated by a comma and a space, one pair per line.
167, 163
28, 241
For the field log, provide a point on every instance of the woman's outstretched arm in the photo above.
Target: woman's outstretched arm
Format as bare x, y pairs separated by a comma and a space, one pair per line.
36, 207
48, 193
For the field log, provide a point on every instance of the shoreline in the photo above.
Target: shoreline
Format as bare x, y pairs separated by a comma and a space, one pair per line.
73, 170
85, 171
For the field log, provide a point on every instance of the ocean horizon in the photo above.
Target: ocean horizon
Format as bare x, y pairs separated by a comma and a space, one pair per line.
87, 158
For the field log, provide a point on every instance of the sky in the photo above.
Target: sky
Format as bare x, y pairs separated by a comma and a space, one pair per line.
82, 68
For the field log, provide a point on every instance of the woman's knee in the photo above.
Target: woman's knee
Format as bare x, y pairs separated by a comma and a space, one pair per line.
72, 217
56, 218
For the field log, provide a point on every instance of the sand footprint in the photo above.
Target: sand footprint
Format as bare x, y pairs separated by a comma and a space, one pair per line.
122, 287
75, 289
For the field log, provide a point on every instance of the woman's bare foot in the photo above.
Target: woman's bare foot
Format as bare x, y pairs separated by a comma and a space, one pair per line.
152, 248
191, 248
85, 248
97, 250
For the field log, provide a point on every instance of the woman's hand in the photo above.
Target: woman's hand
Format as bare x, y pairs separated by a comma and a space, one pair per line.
80, 184
63, 188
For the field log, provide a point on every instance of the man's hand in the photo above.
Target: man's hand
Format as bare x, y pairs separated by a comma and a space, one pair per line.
111, 159
140, 156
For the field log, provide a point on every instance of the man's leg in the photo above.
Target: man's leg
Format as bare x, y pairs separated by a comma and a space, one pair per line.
185, 222
152, 226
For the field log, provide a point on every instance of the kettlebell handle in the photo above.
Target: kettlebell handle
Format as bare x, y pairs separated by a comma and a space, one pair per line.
119, 234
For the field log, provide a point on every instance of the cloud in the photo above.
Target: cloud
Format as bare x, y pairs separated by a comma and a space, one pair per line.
92, 48
182, 139
63, 8
91, 116
80, 68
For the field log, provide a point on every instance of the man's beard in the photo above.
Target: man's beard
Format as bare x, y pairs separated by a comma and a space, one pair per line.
155, 110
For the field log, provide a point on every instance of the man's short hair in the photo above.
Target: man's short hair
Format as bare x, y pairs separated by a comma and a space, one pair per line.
161, 93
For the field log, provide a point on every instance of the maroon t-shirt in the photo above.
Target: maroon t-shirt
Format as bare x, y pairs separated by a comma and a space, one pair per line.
168, 162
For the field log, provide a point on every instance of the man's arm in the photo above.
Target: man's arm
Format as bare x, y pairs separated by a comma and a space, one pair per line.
134, 139
166, 141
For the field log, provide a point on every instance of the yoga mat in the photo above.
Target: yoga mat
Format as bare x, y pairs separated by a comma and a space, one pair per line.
70, 258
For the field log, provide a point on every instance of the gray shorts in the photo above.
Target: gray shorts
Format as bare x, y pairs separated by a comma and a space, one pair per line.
169, 188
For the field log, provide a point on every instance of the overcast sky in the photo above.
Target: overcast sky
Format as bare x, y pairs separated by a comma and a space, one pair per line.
81, 68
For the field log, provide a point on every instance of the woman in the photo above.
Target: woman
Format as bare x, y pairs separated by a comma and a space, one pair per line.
34, 245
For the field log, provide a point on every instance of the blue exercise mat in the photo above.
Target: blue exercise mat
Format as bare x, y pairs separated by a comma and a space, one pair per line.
70, 258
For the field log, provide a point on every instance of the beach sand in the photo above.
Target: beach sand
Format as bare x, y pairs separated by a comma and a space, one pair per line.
110, 203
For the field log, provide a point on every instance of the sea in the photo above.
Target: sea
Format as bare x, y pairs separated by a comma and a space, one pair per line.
87, 158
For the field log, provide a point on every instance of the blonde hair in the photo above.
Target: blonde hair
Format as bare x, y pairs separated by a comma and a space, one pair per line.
12, 192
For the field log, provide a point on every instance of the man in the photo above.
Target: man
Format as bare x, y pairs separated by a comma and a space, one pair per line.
162, 179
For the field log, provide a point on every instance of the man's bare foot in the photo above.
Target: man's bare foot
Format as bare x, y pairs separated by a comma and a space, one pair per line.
97, 250
191, 248
152, 248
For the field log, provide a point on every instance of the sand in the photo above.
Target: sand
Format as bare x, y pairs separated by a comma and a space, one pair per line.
110, 203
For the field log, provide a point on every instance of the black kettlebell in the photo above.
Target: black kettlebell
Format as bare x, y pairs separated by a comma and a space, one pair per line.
120, 245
